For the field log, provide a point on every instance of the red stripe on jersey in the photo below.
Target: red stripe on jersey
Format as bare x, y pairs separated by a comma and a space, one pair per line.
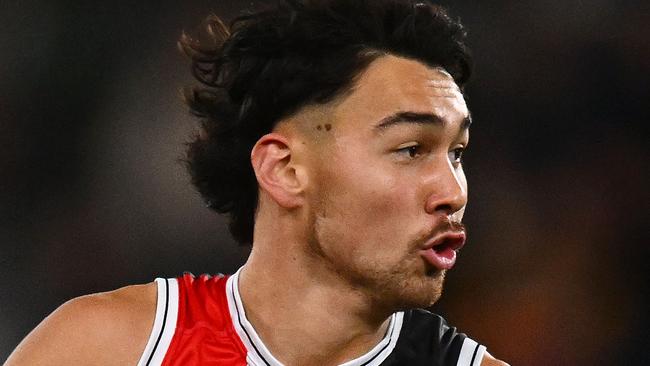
204, 331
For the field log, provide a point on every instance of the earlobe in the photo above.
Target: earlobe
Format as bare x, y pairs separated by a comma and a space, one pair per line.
275, 170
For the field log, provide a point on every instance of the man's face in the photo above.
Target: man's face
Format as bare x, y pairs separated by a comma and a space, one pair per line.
386, 181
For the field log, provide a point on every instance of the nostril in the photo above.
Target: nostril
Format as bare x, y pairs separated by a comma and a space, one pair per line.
445, 207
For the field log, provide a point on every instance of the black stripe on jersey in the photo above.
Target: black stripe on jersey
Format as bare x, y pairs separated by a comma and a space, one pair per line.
474, 355
242, 325
162, 329
390, 336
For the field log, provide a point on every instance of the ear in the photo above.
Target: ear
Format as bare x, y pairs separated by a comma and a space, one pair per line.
276, 172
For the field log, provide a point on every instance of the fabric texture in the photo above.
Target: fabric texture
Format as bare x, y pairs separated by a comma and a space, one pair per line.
205, 321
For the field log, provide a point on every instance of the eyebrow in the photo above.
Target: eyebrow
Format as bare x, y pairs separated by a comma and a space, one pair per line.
417, 118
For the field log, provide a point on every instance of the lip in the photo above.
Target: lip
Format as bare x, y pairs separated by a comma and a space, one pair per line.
441, 251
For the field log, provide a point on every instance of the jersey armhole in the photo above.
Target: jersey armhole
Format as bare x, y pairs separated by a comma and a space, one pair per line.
164, 324
471, 353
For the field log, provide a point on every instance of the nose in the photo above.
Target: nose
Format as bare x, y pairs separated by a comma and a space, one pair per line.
447, 190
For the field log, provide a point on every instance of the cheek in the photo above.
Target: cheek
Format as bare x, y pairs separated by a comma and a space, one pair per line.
368, 206
369, 188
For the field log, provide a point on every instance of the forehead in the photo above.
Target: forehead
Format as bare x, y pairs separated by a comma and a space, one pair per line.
393, 84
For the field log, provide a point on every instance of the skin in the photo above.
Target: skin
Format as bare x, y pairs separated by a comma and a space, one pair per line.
346, 202
109, 328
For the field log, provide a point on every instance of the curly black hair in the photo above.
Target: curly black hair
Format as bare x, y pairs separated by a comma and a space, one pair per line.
268, 64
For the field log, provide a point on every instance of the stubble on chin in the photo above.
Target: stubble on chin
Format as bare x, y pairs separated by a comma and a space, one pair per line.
405, 290
408, 284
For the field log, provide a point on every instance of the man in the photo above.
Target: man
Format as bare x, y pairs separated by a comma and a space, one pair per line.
332, 134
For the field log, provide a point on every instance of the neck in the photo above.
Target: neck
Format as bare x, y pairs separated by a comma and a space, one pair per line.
304, 313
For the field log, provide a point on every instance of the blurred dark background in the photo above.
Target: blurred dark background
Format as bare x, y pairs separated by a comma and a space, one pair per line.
92, 196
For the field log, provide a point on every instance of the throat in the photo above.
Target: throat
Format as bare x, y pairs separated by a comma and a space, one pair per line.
308, 330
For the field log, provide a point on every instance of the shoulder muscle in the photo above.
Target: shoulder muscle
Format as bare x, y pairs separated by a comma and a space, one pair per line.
109, 328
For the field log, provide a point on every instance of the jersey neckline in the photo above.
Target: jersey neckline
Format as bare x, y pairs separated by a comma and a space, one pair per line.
259, 354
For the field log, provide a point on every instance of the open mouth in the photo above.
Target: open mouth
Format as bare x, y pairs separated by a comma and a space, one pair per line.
444, 248
442, 252
449, 244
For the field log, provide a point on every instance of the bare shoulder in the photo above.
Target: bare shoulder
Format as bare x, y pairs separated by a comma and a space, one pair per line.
489, 360
108, 328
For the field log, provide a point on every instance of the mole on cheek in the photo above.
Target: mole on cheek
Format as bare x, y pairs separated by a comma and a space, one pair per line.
328, 127
319, 127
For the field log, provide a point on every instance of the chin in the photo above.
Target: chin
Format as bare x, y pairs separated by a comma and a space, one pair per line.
427, 291
418, 291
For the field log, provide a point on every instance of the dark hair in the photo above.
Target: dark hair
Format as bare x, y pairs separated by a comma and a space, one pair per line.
268, 64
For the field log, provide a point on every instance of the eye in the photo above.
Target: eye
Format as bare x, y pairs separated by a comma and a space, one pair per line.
456, 155
412, 151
